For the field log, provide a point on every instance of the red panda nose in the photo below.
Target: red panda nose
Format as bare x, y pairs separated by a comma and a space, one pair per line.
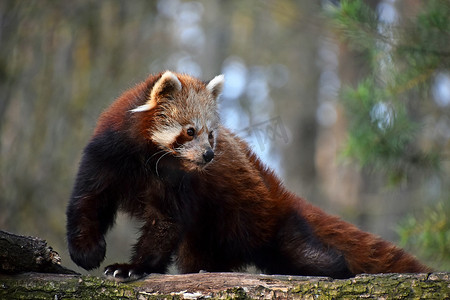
208, 155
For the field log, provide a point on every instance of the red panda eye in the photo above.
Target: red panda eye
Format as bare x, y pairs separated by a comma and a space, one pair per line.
190, 131
210, 136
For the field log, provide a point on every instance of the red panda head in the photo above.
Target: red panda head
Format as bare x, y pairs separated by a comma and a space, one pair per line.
183, 118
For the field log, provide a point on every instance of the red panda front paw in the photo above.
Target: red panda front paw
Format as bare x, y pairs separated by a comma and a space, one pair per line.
124, 272
87, 253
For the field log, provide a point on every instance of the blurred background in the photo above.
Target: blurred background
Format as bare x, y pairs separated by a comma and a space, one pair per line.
348, 101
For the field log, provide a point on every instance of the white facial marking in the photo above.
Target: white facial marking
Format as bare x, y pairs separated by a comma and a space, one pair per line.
197, 123
167, 134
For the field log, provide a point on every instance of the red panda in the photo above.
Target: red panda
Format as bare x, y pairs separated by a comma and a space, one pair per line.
160, 153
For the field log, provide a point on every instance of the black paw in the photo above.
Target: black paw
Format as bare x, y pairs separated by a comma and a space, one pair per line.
124, 272
87, 255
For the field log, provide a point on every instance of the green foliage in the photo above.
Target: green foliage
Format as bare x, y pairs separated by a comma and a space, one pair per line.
433, 28
358, 23
380, 130
429, 234
389, 110
384, 125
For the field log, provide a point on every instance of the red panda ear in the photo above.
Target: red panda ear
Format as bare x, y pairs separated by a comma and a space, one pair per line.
166, 85
215, 86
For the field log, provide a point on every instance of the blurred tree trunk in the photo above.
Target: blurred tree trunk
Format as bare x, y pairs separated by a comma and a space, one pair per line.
218, 20
370, 206
299, 110
359, 205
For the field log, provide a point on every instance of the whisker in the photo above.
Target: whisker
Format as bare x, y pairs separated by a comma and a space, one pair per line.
204, 171
217, 156
156, 167
156, 153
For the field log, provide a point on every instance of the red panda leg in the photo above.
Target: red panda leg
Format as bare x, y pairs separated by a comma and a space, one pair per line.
92, 208
190, 261
152, 253
86, 228
195, 255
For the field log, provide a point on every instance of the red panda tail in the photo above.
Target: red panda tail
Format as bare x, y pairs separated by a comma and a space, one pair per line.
364, 252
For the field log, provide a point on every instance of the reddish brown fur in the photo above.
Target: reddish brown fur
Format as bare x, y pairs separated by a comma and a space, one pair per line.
364, 252
229, 213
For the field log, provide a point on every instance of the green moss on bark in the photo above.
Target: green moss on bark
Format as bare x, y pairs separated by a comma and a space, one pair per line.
226, 286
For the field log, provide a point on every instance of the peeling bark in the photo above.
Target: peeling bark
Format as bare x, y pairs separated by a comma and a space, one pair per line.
226, 286
28, 254
20, 254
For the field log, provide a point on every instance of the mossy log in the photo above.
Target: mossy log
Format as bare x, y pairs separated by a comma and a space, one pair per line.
226, 286
49, 280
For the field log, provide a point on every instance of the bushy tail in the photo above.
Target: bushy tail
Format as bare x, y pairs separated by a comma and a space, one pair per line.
364, 252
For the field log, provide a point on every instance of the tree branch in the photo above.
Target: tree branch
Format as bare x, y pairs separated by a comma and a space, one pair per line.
226, 286
28, 254
19, 254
